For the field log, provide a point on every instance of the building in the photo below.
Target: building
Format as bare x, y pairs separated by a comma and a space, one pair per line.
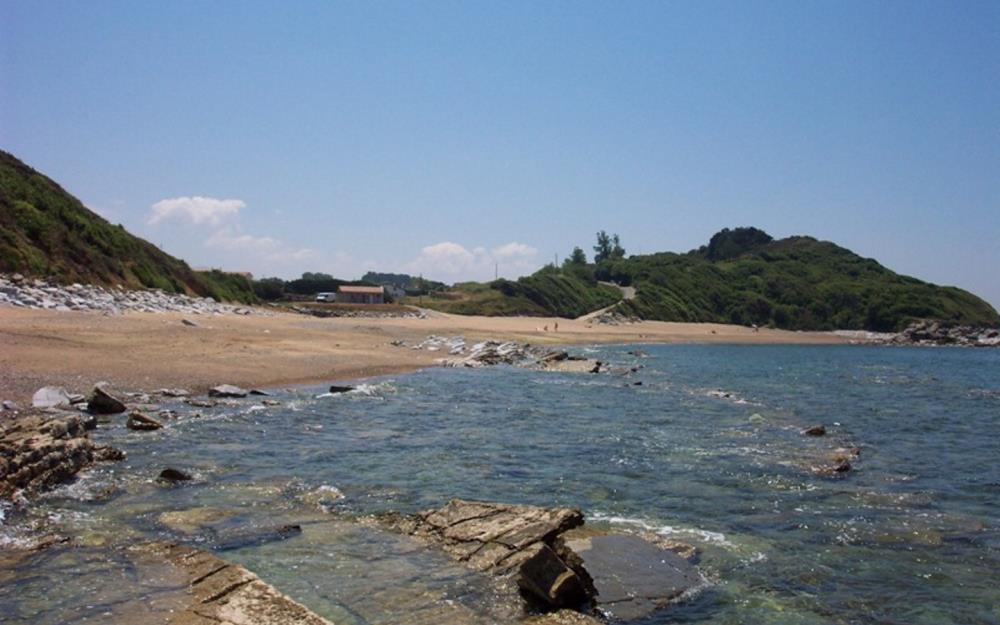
360, 295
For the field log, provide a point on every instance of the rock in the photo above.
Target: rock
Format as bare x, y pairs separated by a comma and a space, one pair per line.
816, 430
548, 578
633, 577
9, 405
341, 389
141, 422
173, 392
224, 593
189, 323
500, 539
193, 521
554, 357
103, 402
270, 402
251, 536
38, 451
597, 367
50, 397
200, 403
174, 475
257, 391
226, 390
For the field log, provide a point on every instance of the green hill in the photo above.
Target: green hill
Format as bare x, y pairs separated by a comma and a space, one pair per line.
48, 233
742, 276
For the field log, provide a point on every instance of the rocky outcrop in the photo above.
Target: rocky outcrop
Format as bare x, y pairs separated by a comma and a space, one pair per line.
938, 333
40, 451
490, 353
228, 594
51, 397
554, 562
504, 539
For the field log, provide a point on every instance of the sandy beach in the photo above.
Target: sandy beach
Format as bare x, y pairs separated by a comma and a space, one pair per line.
148, 351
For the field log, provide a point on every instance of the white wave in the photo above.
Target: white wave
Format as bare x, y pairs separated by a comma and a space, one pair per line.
708, 536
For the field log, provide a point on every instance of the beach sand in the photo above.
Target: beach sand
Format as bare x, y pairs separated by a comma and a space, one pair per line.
146, 351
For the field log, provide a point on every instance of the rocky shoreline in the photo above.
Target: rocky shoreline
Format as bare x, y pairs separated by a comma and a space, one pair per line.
35, 294
929, 334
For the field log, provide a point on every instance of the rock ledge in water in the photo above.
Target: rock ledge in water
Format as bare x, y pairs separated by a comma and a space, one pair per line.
37, 452
224, 593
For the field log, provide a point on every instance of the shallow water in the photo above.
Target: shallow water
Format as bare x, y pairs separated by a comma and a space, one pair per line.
912, 535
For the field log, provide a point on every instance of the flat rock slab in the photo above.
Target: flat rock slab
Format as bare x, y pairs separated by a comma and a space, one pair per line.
227, 594
489, 536
632, 576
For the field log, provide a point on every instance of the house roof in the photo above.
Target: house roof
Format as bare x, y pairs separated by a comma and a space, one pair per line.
366, 290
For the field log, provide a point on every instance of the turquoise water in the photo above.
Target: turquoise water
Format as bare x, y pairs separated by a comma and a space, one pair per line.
910, 535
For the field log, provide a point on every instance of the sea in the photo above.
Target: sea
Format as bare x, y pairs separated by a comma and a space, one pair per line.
700, 444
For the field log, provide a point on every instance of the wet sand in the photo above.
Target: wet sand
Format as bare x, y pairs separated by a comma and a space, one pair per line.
149, 351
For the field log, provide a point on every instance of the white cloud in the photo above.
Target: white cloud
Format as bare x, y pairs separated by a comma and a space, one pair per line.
196, 210
454, 262
272, 250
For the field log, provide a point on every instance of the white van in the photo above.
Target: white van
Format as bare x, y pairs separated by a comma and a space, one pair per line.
326, 297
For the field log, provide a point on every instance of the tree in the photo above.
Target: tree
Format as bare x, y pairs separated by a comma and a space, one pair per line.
608, 247
603, 248
577, 257
316, 277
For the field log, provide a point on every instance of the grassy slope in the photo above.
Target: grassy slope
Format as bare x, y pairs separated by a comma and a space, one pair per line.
46, 232
795, 283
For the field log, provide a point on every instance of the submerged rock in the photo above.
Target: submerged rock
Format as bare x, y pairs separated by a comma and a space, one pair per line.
815, 430
632, 576
174, 475
341, 389
226, 390
236, 538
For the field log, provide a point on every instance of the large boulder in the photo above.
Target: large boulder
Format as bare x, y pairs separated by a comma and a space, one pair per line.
103, 402
51, 397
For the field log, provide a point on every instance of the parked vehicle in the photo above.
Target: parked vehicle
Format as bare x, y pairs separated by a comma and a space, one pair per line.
326, 297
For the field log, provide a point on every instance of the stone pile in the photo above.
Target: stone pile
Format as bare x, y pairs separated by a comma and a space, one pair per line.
35, 294
490, 353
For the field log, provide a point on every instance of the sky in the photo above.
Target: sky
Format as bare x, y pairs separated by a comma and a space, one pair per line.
456, 139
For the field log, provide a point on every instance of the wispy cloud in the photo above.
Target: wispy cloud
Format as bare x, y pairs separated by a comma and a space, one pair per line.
272, 250
195, 209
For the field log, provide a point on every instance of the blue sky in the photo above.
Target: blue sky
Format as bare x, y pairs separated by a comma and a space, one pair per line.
444, 137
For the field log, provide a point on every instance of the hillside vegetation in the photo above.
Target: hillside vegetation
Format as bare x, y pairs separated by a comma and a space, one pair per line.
48, 233
741, 276
548, 292
797, 283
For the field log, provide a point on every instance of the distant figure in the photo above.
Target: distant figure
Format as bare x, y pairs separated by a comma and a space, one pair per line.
555, 328
755, 328
545, 327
